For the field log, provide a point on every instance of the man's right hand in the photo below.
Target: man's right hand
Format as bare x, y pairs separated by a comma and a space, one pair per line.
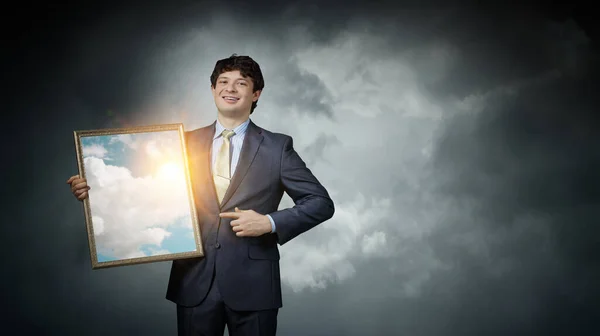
79, 187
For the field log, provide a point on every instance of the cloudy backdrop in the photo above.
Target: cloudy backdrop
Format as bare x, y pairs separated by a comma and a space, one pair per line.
459, 147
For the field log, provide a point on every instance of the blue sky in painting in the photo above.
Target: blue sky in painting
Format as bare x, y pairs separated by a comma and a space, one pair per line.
182, 239
104, 258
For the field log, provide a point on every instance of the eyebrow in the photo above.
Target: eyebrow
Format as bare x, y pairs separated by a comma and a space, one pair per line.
239, 78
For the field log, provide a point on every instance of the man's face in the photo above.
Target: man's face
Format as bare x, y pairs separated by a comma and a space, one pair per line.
233, 94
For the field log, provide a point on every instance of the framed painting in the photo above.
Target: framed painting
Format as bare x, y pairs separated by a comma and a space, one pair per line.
140, 207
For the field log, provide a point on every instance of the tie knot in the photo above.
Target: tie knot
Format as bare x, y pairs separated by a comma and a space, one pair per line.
227, 134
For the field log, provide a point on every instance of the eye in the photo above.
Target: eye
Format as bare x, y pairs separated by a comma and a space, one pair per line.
243, 83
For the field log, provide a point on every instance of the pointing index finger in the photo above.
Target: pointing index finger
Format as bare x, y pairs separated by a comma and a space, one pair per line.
229, 215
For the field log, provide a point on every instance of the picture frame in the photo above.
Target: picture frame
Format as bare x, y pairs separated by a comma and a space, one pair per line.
140, 207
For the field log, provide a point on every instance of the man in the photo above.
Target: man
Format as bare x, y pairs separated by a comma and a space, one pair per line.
239, 174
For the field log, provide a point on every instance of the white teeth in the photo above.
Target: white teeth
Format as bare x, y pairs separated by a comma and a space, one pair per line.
231, 98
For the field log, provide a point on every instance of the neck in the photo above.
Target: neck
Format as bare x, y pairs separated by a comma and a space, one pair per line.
231, 122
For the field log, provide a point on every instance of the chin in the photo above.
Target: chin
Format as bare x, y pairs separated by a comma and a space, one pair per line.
229, 109
233, 111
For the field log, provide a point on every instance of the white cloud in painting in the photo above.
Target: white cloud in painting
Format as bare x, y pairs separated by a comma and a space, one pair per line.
166, 148
98, 224
127, 139
94, 150
129, 211
152, 149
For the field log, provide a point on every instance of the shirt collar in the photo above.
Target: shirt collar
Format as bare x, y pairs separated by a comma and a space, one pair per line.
240, 130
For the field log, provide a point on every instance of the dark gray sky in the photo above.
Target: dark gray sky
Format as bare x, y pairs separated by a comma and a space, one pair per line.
460, 148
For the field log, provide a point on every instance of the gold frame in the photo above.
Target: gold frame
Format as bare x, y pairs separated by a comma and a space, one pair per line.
199, 252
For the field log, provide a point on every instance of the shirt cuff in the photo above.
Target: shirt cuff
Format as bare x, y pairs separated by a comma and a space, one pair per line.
272, 223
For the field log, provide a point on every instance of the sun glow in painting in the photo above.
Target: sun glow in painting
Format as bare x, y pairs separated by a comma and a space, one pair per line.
171, 171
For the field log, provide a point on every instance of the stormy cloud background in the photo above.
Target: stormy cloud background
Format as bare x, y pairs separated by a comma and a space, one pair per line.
459, 146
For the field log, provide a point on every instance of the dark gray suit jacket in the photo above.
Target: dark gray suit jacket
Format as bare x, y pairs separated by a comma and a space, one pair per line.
247, 268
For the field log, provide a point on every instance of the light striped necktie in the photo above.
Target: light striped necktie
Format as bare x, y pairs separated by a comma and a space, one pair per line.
222, 166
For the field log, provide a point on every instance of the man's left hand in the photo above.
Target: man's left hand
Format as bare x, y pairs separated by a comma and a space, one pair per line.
248, 223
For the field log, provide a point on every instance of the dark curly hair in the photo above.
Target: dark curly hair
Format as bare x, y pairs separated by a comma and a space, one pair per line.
247, 68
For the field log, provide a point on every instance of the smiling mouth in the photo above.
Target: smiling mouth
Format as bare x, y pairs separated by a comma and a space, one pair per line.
231, 99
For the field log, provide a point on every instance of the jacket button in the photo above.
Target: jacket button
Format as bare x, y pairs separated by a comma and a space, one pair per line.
217, 246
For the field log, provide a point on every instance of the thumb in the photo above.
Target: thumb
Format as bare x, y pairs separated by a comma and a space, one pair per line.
237, 209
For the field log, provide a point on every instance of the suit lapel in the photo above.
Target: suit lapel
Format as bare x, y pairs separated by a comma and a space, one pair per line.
252, 142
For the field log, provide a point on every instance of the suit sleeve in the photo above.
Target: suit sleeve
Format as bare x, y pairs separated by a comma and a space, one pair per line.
312, 202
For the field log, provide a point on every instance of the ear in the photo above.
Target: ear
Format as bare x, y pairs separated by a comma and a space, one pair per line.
256, 95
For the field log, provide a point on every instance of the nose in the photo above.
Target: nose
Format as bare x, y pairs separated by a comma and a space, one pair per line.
230, 87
